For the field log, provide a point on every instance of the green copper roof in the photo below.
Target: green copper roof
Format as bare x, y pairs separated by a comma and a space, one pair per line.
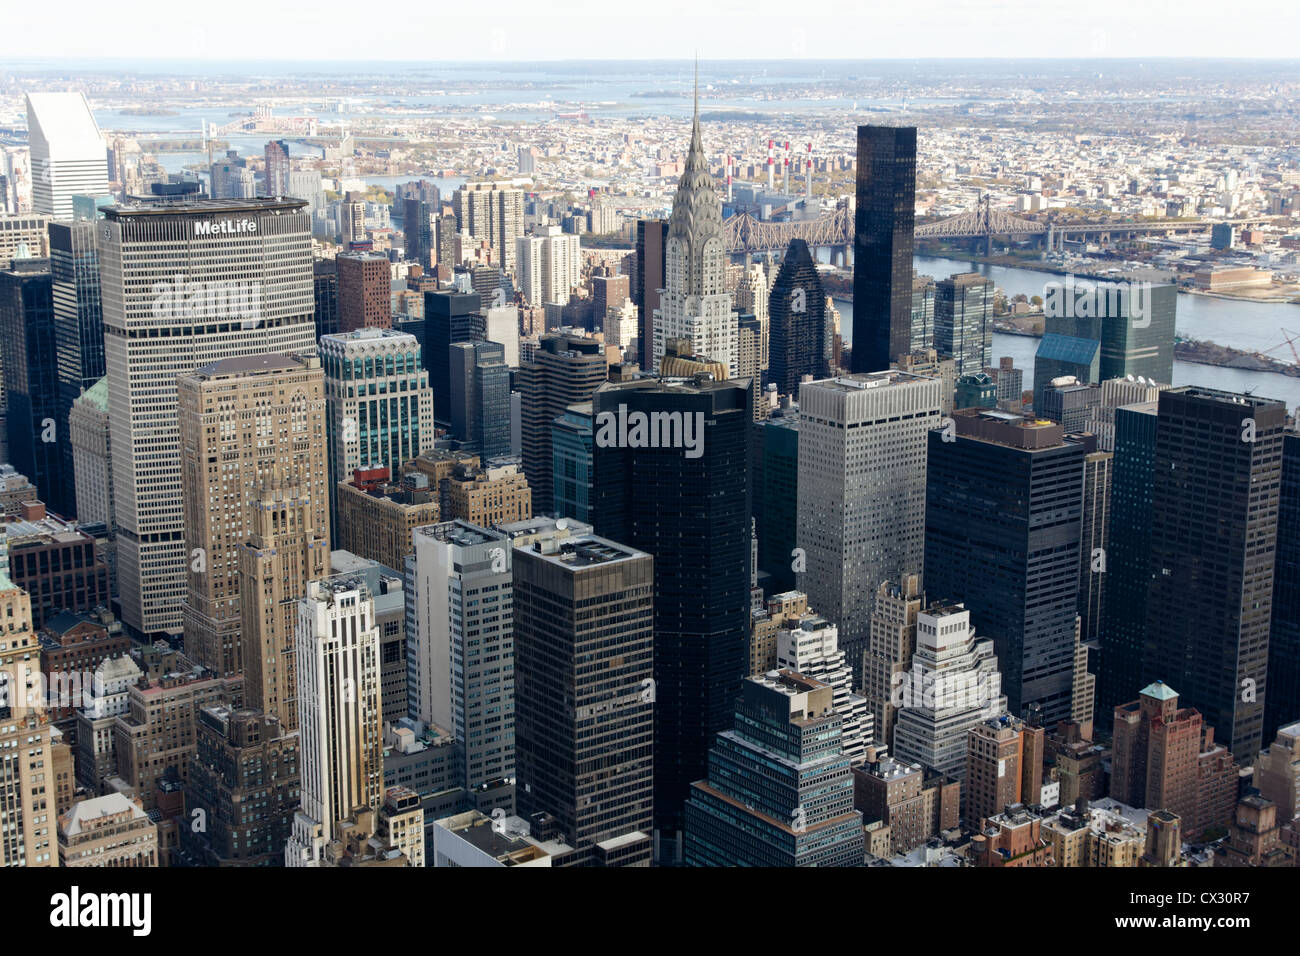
1160, 691
97, 395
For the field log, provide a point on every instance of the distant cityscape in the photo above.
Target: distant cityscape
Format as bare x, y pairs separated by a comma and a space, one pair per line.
650, 465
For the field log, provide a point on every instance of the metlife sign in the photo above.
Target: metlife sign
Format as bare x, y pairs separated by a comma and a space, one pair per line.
225, 227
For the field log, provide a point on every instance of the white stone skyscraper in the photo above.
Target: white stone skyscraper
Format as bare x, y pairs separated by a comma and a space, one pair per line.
953, 685
810, 647
68, 153
696, 305
861, 493
184, 285
340, 716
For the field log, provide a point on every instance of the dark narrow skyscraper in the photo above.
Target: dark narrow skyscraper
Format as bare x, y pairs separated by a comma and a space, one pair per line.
671, 479
480, 397
1282, 705
1218, 474
584, 645
882, 255
797, 321
1002, 526
1124, 613
448, 317
649, 278
31, 380
78, 323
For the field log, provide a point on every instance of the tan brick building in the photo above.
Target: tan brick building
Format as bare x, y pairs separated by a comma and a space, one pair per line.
107, 831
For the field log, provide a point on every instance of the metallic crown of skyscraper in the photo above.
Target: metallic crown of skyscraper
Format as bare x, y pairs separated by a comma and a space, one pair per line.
697, 210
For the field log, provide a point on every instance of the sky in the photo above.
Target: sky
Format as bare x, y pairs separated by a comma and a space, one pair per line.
529, 30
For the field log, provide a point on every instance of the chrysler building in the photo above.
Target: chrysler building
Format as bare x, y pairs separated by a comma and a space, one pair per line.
696, 304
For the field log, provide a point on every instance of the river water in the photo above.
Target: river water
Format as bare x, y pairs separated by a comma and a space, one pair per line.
1251, 326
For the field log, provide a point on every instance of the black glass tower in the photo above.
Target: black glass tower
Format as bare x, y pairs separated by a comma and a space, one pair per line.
1282, 703
882, 252
650, 276
1217, 479
1003, 517
1124, 613
683, 497
31, 380
797, 321
448, 317
78, 323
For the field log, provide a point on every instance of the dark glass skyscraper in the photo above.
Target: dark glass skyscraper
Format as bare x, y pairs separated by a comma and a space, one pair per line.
584, 645
31, 380
480, 397
78, 323
1218, 475
1282, 703
1124, 613
776, 497
882, 255
650, 276
1134, 333
796, 321
1002, 526
448, 317
685, 500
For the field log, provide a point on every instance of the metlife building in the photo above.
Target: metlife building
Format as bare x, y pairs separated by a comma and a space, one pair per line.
185, 284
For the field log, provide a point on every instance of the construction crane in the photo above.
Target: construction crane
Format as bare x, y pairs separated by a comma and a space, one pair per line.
1289, 340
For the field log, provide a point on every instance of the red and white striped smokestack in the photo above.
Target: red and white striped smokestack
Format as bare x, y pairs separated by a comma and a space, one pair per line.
785, 185
728, 179
771, 170
807, 186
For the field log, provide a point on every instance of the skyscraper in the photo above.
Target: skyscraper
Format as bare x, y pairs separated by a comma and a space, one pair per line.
1282, 705
797, 321
952, 684
808, 645
862, 483
889, 650
648, 281
565, 370
185, 285
882, 254
684, 498
1217, 477
37, 434
28, 813
379, 404
963, 321
419, 222
287, 545
275, 177
68, 153
584, 644
1094, 542
1002, 524
1130, 323
78, 324
549, 265
460, 649
695, 303
572, 451
243, 422
491, 213
480, 397
337, 650
448, 317
1124, 612
364, 291
779, 790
